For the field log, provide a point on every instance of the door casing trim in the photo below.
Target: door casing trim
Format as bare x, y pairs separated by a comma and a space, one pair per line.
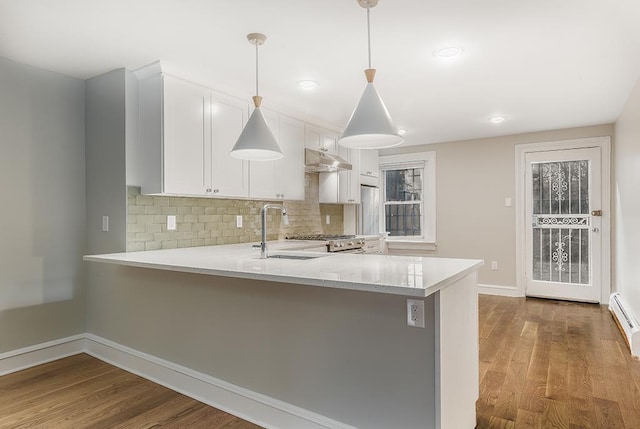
604, 143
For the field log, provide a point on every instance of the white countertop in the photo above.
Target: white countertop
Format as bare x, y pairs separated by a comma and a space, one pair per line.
398, 275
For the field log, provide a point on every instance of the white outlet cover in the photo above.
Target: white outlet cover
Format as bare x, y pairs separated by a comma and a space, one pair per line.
507, 202
105, 223
494, 265
239, 221
171, 223
415, 313
328, 220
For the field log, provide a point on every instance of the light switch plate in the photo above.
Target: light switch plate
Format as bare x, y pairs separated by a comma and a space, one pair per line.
328, 220
105, 223
239, 221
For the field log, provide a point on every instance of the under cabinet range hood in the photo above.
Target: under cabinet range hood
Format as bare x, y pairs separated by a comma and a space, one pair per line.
322, 162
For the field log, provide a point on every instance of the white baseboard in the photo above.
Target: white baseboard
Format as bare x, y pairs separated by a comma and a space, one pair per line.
28, 357
499, 290
627, 322
246, 404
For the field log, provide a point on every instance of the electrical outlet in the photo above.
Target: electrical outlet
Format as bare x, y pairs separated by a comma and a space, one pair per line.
239, 221
507, 202
415, 313
171, 223
105, 223
494, 265
328, 220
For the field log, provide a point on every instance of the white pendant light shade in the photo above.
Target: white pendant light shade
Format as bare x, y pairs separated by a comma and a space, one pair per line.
370, 126
256, 142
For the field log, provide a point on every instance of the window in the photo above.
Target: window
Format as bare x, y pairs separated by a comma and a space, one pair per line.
408, 195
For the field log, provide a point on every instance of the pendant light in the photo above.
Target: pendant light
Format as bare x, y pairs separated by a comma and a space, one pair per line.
256, 142
370, 125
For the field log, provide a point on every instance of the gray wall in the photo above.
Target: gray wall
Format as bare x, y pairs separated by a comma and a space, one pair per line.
626, 194
473, 177
106, 134
344, 354
42, 192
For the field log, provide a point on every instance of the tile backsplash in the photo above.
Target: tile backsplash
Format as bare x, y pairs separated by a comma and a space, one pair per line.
212, 221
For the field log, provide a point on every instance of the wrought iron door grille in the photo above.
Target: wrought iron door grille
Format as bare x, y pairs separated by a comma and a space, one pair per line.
561, 222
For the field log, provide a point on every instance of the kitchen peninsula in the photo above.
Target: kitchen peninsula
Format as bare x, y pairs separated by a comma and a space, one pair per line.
324, 339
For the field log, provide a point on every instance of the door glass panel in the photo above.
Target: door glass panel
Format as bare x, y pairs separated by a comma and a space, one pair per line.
561, 222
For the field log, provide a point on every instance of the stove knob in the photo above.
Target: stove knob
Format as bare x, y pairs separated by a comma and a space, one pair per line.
339, 244
350, 243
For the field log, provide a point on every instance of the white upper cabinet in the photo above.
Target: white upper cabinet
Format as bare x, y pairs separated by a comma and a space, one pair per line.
282, 179
369, 167
186, 134
187, 138
369, 162
229, 176
289, 171
349, 180
320, 139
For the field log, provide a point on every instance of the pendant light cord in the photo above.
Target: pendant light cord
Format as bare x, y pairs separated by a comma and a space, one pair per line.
257, 69
369, 31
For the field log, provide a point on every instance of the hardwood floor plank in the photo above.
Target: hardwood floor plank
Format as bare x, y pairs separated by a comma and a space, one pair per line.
565, 365
83, 392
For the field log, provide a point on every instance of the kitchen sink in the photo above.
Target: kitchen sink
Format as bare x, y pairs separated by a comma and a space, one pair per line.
299, 257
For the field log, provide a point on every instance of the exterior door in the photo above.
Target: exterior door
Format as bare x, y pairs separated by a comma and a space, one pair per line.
563, 238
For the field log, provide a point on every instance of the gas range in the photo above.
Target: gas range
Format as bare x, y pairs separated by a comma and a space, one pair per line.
335, 243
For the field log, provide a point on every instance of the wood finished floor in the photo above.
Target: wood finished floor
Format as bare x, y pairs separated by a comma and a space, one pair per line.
554, 364
83, 392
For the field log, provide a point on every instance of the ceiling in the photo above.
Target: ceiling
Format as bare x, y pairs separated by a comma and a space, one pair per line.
544, 64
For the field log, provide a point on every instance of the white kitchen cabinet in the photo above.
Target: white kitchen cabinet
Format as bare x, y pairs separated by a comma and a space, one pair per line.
342, 187
186, 138
282, 179
229, 176
321, 139
186, 133
369, 167
349, 180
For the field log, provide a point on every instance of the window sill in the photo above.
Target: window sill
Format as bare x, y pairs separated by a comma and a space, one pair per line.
410, 244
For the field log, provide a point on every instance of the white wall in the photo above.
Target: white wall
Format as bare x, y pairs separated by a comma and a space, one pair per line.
42, 195
626, 194
473, 178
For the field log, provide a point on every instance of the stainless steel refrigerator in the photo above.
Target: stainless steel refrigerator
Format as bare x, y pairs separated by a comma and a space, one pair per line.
369, 211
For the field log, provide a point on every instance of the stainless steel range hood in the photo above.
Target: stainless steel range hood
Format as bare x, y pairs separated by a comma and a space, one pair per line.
322, 162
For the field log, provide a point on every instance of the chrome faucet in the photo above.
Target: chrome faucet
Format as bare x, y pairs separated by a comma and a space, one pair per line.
263, 215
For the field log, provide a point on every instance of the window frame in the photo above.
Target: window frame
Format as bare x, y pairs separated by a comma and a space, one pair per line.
426, 161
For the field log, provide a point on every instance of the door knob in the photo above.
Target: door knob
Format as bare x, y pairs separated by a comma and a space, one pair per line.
596, 229
596, 213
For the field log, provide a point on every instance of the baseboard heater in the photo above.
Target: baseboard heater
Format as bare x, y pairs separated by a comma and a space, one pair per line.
627, 323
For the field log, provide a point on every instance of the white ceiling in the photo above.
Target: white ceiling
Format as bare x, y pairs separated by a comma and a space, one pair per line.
545, 64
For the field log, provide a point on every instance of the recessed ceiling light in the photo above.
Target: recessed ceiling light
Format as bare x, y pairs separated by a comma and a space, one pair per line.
449, 51
308, 84
402, 131
497, 119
